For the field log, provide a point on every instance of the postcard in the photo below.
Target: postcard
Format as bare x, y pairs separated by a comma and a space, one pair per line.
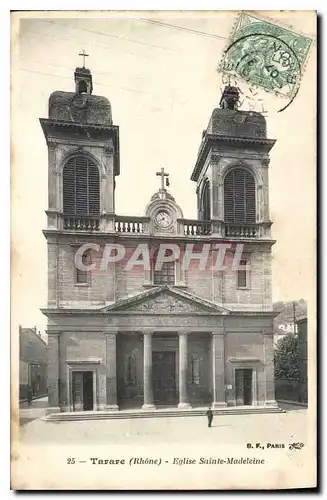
163, 177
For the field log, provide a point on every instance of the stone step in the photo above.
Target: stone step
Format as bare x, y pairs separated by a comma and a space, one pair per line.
115, 415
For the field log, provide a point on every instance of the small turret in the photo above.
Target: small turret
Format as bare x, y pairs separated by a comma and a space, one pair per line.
229, 98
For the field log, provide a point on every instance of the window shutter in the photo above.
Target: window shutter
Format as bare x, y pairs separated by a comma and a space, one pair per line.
81, 187
239, 197
164, 276
206, 203
69, 188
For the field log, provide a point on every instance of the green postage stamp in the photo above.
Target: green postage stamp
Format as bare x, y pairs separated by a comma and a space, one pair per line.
266, 55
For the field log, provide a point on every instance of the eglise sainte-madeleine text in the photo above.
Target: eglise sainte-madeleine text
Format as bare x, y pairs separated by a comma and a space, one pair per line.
178, 461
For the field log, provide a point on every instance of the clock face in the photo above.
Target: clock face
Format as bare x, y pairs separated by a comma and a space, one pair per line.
163, 219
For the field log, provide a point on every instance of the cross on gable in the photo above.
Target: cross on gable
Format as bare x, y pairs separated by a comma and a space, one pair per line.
163, 174
84, 55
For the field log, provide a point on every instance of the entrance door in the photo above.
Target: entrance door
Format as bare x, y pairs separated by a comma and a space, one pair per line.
243, 386
82, 385
247, 383
164, 377
88, 391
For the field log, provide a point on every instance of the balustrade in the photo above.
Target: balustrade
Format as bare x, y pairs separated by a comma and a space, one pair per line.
130, 225
83, 223
241, 231
196, 227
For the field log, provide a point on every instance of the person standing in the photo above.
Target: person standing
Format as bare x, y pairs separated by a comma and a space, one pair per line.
209, 416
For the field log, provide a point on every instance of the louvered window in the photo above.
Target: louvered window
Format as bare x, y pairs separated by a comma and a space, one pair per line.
206, 205
81, 187
239, 197
165, 275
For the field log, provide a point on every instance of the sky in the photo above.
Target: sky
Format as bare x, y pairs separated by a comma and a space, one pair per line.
159, 72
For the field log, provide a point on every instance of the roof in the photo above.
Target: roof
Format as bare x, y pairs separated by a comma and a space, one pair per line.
81, 108
234, 123
302, 320
22, 331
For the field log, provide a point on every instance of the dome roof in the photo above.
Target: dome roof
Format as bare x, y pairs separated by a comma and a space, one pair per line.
84, 108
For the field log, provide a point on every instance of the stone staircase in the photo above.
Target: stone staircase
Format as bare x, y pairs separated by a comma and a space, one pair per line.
159, 413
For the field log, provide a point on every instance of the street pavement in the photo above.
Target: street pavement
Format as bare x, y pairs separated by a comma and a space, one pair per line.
38, 409
66, 452
35, 411
229, 428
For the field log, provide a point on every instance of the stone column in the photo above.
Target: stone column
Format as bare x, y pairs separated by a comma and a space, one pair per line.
53, 356
111, 366
183, 398
268, 353
147, 372
218, 368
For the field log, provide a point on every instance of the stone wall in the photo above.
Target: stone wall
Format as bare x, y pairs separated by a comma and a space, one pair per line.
114, 283
130, 391
79, 351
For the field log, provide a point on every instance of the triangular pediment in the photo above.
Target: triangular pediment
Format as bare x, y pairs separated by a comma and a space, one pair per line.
165, 300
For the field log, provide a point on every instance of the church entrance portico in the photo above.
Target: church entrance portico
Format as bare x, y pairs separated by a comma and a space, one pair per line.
165, 350
156, 369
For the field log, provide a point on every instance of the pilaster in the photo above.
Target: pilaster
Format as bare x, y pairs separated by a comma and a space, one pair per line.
183, 396
218, 368
147, 372
111, 369
268, 346
53, 353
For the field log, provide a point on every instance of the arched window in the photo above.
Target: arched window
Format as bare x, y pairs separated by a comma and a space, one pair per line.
82, 276
82, 87
81, 187
206, 202
239, 197
165, 274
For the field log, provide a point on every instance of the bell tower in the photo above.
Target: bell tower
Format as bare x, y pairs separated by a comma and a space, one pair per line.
231, 171
83, 158
83, 162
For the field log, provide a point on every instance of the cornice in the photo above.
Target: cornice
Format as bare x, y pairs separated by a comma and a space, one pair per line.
47, 122
146, 237
267, 314
86, 131
214, 139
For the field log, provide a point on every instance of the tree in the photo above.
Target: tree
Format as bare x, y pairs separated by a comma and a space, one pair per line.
287, 357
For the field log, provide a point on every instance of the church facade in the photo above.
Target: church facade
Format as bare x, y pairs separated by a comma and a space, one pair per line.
147, 330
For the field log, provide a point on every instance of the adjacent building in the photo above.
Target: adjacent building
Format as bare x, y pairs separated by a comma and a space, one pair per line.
32, 363
145, 337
